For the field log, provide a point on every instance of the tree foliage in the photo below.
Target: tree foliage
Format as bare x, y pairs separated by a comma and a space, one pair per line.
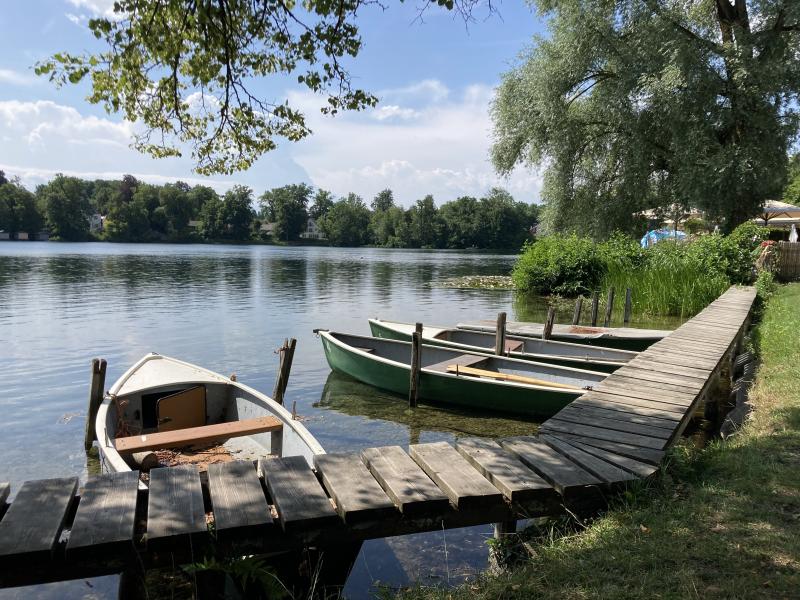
286, 207
67, 207
636, 104
347, 222
791, 193
18, 210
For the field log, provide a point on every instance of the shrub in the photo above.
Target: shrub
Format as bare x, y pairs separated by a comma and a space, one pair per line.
694, 226
564, 265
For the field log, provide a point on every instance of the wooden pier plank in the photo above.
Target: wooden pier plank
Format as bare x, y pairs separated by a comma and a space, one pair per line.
298, 496
654, 363
643, 441
506, 472
175, 504
662, 380
106, 513
357, 495
621, 401
646, 390
33, 522
606, 471
237, 497
646, 455
642, 469
588, 412
464, 486
411, 490
673, 357
564, 475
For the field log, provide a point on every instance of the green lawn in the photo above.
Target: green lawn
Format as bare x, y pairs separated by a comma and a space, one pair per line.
718, 522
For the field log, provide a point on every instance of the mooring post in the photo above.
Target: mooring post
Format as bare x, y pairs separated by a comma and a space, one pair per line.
595, 307
286, 354
96, 391
500, 334
576, 316
609, 307
416, 348
547, 330
626, 317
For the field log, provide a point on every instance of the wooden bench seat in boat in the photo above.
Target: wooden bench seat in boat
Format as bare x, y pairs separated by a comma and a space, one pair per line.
196, 435
465, 360
514, 345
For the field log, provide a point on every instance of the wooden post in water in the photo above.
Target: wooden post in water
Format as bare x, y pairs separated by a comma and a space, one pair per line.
609, 307
416, 349
286, 354
547, 330
595, 306
626, 317
96, 391
500, 334
576, 316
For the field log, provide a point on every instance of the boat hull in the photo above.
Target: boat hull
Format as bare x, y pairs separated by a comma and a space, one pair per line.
380, 330
462, 391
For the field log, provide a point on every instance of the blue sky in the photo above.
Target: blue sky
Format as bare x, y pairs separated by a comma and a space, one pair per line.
430, 132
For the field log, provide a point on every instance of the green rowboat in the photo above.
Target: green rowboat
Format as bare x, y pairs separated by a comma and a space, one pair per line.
565, 354
623, 338
454, 377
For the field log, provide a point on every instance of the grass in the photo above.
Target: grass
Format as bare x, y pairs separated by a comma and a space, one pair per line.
718, 522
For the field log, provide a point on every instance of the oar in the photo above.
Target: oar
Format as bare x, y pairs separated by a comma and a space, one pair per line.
508, 377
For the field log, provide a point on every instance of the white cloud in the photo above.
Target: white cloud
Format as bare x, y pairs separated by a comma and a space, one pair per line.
392, 111
79, 20
16, 78
443, 150
96, 7
430, 90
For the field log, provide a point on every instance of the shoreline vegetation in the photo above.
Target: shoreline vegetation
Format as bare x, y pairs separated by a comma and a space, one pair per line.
128, 210
718, 521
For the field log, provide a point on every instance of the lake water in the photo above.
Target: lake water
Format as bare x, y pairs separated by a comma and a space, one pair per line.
228, 308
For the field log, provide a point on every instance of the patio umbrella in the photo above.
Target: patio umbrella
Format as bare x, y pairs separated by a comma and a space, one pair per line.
793, 233
656, 235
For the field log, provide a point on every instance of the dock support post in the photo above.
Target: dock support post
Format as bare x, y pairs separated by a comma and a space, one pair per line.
500, 334
547, 330
416, 348
576, 316
96, 391
626, 318
595, 306
609, 307
286, 353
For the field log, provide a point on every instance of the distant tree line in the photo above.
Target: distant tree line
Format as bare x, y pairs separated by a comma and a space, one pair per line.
134, 211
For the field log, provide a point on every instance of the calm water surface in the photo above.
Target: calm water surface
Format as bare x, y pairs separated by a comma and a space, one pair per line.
228, 308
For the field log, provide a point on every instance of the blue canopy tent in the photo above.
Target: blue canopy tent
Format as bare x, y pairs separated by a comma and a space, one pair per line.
656, 235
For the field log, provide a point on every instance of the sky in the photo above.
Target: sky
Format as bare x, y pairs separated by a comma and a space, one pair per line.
429, 134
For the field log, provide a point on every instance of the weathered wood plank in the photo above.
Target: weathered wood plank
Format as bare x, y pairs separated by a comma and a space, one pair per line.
237, 497
357, 495
635, 388
635, 406
588, 412
664, 380
621, 425
411, 490
646, 455
298, 496
464, 486
632, 465
596, 466
655, 364
506, 472
33, 522
106, 513
175, 504
196, 435
674, 357
611, 435
564, 475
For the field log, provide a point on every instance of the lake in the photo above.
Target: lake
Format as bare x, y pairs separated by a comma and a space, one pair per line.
228, 308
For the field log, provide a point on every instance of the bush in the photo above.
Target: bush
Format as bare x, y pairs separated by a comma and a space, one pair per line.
564, 265
694, 226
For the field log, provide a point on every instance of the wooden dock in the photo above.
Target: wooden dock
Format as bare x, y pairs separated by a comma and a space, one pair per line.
610, 436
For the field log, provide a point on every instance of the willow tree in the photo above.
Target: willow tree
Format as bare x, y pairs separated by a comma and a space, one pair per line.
201, 74
637, 104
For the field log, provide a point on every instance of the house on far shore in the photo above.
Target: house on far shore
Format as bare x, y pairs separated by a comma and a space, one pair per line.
194, 224
267, 229
312, 231
23, 236
95, 222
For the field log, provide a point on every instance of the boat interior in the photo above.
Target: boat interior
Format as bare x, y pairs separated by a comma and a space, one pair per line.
441, 359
